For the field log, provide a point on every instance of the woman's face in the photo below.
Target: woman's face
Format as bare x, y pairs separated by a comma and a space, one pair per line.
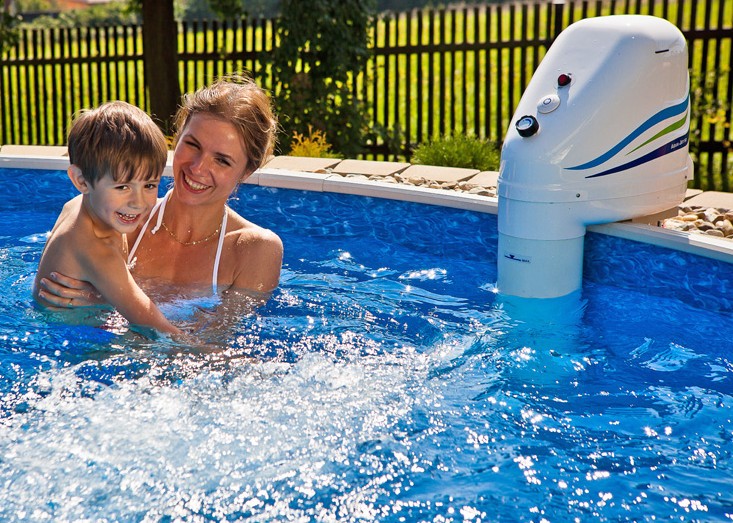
209, 160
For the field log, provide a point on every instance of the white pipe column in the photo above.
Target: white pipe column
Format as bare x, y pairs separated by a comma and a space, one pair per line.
539, 268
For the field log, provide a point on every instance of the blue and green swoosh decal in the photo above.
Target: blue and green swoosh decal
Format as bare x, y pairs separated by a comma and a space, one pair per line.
669, 147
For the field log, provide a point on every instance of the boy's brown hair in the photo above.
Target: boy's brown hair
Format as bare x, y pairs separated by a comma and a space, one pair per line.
118, 139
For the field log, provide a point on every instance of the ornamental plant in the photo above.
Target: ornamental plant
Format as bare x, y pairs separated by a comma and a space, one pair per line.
459, 150
314, 145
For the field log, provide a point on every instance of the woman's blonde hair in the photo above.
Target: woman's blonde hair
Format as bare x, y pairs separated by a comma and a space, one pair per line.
239, 100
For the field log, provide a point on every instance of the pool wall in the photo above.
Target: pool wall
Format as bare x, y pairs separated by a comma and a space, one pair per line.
327, 181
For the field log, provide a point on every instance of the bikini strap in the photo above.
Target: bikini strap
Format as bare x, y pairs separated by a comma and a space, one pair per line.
222, 233
159, 205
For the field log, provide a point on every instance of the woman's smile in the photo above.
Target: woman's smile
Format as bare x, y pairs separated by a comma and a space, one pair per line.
193, 185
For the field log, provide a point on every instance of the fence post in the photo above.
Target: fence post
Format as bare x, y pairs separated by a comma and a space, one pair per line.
557, 14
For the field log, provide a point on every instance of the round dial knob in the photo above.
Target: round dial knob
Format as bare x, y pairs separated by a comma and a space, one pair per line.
527, 126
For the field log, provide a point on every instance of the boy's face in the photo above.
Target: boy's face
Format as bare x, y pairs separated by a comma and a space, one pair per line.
122, 206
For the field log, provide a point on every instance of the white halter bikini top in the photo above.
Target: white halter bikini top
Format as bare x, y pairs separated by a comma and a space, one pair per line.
160, 209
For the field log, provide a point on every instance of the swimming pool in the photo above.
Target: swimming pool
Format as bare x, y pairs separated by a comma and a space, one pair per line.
382, 382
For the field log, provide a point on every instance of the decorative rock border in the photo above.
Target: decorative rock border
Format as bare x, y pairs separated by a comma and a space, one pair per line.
712, 221
704, 213
468, 186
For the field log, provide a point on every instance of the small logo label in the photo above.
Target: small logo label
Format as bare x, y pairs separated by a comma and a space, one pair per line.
517, 257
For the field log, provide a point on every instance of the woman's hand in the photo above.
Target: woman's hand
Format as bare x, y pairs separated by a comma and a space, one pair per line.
64, 292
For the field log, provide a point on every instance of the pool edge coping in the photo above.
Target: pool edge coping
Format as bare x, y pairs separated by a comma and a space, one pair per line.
693, 243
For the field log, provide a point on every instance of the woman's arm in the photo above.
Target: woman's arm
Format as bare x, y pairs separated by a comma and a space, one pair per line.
260, 261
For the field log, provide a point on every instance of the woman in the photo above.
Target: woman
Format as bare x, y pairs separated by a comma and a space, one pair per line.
192, 239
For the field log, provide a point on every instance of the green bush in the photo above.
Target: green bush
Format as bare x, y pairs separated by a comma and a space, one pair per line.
322, 47
459, 151
8, 31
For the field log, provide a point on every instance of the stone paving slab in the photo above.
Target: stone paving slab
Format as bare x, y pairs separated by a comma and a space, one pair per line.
692, 192
485, 179
35, 150
656, 218
439, 174
299, 163
717, 199
369, 168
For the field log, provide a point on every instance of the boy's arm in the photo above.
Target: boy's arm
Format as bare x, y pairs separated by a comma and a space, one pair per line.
110, 276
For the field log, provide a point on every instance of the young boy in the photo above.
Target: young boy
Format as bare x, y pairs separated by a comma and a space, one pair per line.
117, 156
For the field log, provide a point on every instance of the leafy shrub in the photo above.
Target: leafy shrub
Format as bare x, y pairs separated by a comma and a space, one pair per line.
322, 47
459, 151
8, 31
707, 114
314, 145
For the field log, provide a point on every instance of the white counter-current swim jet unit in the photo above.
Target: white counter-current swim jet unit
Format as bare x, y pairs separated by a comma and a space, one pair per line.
600, 135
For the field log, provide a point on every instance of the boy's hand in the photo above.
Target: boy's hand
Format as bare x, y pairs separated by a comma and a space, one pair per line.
66, 293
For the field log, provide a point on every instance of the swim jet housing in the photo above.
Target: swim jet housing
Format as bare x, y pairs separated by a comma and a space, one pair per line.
600, 135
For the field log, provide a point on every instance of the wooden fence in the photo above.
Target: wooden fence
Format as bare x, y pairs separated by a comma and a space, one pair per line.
432, 72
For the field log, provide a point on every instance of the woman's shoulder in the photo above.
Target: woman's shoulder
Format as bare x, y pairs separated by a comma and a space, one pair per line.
250, 234
257, 255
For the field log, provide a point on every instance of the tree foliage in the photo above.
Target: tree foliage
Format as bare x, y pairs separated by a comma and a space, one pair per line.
8, 31
322, 46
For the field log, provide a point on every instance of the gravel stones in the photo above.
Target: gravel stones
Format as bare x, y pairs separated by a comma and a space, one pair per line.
416, 181
712, 221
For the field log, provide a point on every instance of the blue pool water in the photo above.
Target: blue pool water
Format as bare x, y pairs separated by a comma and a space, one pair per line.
383, 381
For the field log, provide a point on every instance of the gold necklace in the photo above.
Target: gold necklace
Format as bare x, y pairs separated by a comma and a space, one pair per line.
195, 242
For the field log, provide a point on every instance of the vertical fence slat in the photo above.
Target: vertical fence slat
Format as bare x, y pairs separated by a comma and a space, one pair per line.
499, 117
725, 135
44, 101
441, 73
60, 83
26, 82
476, 56
69, 76
489, 76
385, 91
419, 98
5, 125
407, 120
399, 91
448, 62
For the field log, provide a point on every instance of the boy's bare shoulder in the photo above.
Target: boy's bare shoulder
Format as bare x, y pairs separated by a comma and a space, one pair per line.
72, 246
74, 203
69, 212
